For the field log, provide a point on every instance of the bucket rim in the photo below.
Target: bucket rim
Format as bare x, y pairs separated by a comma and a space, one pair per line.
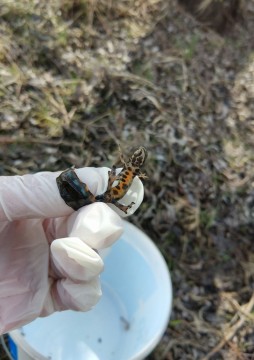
21, 342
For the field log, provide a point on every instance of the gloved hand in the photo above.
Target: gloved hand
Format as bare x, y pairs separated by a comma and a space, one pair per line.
47, 261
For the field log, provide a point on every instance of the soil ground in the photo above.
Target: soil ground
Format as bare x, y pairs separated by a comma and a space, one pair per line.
77, 77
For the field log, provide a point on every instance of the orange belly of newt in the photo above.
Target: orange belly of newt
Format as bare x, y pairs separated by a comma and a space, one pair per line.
124, 183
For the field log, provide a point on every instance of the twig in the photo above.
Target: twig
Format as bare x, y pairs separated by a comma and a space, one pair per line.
231, 332
238, 307
4, 140
136, 79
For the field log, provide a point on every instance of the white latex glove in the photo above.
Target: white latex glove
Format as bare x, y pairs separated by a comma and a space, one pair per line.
47, 261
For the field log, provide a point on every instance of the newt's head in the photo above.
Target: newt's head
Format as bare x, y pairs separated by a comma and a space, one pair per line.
139, 157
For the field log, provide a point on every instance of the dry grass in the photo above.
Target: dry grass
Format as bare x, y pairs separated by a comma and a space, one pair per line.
218, 14
77, 77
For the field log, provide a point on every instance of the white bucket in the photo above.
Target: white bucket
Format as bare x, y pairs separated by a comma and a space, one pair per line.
126, 324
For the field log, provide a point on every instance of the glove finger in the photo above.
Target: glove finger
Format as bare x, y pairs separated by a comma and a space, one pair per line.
68, 294
37, 196
97, 225
75, 260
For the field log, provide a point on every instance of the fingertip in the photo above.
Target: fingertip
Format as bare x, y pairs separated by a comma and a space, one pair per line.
75, 260
95, 178
67, 294
96, 224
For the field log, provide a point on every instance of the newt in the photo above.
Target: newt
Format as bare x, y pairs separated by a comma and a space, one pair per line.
76, 194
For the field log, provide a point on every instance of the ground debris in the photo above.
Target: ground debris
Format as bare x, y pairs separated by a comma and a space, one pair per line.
78, 77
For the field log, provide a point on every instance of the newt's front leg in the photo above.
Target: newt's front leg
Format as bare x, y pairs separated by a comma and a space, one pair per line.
111, 177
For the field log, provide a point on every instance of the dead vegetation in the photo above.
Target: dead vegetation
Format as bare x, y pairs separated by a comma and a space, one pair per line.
77, 77
220, 15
